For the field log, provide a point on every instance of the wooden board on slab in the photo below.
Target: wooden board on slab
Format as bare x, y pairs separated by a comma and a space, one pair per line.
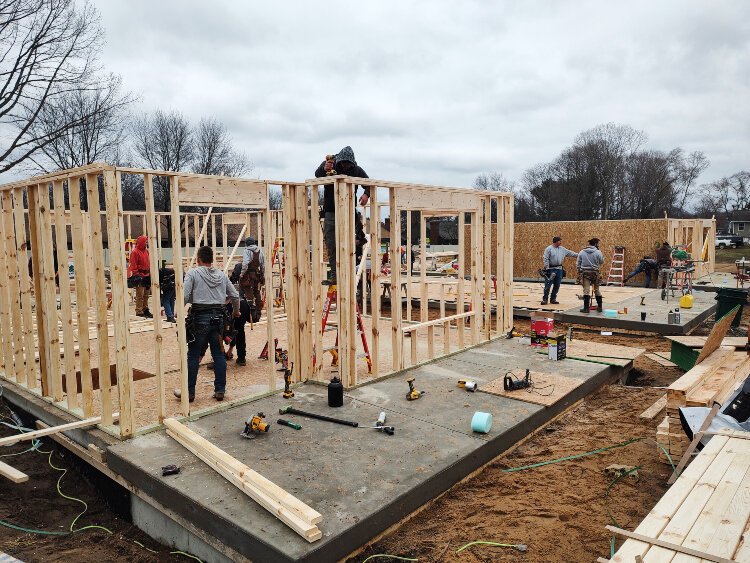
699, 341
612, 354
661, 360
548, 388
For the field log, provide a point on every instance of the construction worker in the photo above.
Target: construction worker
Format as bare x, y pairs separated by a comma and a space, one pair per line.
207, 290
589, 262
553, 271
343, 163
168, 293
647, 265
663, 263
139, 276
252, 276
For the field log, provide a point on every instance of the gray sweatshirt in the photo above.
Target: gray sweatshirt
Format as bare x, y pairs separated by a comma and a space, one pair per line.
210, 286
553, 257
590, 258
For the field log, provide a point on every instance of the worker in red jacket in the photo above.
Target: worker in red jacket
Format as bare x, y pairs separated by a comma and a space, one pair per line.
139, 276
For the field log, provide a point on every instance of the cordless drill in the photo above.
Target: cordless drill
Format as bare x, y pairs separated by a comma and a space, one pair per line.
332, 159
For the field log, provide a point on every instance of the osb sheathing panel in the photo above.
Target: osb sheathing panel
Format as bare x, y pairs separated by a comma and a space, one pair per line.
639, 237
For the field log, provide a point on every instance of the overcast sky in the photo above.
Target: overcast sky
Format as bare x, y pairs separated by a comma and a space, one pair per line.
438, 92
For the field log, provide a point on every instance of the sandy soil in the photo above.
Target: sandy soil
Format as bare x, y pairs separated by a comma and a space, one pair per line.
558, 510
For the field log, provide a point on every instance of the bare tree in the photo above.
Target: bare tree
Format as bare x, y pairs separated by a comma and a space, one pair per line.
214, 153
163, 141
48, 50
99, 131
493, 182
688, 169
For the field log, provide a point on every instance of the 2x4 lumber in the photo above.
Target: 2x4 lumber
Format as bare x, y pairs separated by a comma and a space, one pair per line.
678, 391
317, 304
668, 545
409, 271
662, 513
289, 196
286, 507
446, 326
234, 249
651, 412
148, 187
179, 293
267, 250
25, 287
423, 281
487, 268
722, 520
201, 236
461, 275
12, 473
10, 292
66, 313
435, 322
48, 288
120, 313
346, 290
690, 510
508, 257
100, 290
397, 337
303, 281
81, 266
375, 280
26, 436
476, 275
732, 369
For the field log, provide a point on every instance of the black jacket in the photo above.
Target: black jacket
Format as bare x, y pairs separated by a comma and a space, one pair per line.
329, 200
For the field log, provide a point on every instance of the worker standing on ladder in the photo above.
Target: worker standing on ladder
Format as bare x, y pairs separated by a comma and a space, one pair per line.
589, 263
343, 163
554, 272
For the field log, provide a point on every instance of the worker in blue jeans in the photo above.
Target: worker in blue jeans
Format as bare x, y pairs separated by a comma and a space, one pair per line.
207, 290
553, 258
647, 265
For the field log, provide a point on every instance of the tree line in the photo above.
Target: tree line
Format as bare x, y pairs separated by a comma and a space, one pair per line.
60, 109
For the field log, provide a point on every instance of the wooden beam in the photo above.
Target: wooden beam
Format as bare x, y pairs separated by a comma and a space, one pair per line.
234, 250
15, 364
374, 280
397, 337
651, 412
66, 312
200, 236
148, 187
12, 473
284, 506
669, 545
26, 436
80, 265
25, 287
179, 293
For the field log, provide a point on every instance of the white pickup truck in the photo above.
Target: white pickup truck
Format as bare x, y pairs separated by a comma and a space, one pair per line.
729, 241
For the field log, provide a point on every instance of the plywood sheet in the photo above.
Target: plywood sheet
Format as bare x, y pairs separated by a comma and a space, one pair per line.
700, 341
661, 361
547, 389
717, 334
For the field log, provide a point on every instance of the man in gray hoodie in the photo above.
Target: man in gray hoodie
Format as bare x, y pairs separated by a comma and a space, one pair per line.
207, 290
553, 258
589, 262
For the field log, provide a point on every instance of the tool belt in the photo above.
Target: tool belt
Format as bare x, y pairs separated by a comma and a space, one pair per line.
594, 276
218, 319
136, 280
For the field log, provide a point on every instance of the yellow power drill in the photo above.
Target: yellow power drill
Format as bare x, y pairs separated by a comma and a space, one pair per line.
413, 394
332, 159
255, 425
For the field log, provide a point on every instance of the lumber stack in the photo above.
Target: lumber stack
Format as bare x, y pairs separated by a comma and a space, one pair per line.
713, 379
705, 515
283, 505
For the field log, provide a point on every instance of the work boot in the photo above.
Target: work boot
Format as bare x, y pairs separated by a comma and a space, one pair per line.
241, 362
554, 302
599, 306
586, 303
178, 394
219, 395
544, 301
171, 320
210, 365
146, 313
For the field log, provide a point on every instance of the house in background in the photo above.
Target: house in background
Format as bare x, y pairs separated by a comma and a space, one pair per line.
740, 223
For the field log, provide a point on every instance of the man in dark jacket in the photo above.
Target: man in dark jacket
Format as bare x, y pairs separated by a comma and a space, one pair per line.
647, 265
343, 163
663, 263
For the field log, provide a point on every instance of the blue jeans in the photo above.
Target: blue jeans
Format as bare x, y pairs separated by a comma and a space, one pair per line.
207, 330
641, 267
554, 281
167, 301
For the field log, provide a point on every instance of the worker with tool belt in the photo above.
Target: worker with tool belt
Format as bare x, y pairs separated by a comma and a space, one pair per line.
252, 276
139, 276
343, 163
589, 262
207, 290
553, 271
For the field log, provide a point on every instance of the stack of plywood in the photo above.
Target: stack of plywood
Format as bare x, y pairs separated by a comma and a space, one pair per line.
705, 515
713, 379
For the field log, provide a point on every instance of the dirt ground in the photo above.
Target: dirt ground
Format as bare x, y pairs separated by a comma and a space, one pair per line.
558, 510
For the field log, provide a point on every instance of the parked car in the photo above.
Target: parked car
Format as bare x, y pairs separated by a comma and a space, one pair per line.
729, 241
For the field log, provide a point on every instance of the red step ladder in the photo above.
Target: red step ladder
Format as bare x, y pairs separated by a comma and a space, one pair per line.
617, 267
332, 296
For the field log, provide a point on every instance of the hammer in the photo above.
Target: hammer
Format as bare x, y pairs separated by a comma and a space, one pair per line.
291, 410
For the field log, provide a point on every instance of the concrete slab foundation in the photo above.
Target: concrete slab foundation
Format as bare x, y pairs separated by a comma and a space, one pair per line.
361, 480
